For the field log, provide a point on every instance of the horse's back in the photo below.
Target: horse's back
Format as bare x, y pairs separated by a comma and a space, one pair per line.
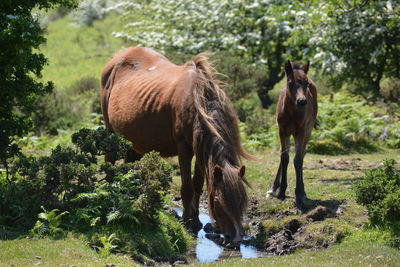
146, 94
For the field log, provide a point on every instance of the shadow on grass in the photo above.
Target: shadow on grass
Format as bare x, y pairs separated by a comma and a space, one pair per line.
345, 181
331, 204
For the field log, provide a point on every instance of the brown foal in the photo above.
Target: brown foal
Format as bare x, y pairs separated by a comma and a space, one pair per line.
296, 114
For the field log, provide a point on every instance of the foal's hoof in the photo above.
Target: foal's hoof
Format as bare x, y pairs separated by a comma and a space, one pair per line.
281, 196
271, 193
300, 202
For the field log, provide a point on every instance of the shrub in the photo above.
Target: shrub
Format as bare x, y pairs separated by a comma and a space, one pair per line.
49, 224
379, 191
88, 11
349, 123
239, 75
57, 111
118, 207
85, 84
390, 89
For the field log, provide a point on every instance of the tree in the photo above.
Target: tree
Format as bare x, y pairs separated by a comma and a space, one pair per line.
20, 65
255, 30
356, 41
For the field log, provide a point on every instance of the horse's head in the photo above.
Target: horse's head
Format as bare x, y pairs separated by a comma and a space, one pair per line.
228, 200
297, 82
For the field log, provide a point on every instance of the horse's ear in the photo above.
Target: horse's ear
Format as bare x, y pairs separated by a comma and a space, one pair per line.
242, 171
306, 66
288, 69
217, 173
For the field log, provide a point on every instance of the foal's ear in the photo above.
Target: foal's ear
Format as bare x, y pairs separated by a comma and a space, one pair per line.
242, 171
306, 66
217, 173
289, 70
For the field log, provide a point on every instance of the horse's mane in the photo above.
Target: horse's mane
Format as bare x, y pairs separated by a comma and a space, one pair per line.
215, 110
217, 139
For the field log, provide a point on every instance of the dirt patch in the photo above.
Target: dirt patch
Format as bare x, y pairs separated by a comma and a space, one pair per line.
281, 243
356, 164
279, 231
285, 231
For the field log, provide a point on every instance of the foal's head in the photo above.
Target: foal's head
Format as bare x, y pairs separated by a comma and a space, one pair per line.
297, 82
228, 200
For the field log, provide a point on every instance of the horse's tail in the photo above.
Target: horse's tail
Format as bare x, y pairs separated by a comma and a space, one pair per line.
208, 96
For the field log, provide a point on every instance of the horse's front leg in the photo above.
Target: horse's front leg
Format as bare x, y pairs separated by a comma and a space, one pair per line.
185, 155
300, 146
281, 176
198, 182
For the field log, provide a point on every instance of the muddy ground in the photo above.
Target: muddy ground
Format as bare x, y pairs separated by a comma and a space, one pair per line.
276, 227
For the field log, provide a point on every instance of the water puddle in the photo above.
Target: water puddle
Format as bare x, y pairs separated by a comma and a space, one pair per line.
208, 251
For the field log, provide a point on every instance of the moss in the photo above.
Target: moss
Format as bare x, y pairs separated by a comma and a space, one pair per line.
325, 233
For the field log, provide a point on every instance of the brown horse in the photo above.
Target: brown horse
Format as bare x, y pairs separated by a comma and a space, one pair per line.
296, 114
180, 110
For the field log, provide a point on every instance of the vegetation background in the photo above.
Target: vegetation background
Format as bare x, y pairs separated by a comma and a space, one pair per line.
354, 49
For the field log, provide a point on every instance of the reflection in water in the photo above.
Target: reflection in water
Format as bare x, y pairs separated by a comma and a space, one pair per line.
208, 251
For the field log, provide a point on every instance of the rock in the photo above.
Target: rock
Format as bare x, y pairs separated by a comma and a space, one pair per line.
110, 265
319, 213
179, 263
149, 263
38, 257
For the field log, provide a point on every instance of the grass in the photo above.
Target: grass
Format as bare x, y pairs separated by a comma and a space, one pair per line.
76, 52
48, 252
356, 250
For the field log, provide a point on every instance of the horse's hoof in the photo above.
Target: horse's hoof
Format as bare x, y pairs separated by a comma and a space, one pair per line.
195, 226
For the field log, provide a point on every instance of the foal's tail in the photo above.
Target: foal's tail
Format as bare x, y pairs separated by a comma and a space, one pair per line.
214, 107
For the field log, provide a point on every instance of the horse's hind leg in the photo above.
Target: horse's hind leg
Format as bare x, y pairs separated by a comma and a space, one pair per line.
281, 176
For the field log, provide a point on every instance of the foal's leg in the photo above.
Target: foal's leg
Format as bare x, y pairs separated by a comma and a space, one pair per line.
281, 176
185, 156
198, 182
300, 146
